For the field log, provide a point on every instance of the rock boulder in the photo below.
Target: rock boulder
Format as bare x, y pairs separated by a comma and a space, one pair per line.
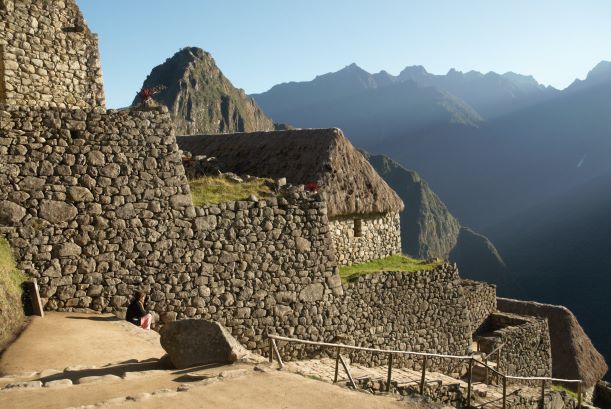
199, 342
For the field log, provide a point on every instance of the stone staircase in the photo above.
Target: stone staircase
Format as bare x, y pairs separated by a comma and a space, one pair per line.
438, 387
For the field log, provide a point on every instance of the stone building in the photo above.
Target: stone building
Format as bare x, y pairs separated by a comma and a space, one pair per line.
48, 56
363, 209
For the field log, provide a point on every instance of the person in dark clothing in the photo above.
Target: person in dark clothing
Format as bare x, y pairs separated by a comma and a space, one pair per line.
136, 312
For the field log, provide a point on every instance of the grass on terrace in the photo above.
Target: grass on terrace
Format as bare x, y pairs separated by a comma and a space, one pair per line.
10, 277
560, 388
214, 190
391, 263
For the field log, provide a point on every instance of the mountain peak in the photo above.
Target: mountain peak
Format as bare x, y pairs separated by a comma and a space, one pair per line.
353, 68
600, 74
602, 70
200, 98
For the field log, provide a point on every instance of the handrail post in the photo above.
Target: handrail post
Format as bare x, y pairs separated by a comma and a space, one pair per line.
271, 351
504, 392
389, 373
277, 353
486, 368
579, 395
470, 381
423, 375
498, 362
543, 394
336, 364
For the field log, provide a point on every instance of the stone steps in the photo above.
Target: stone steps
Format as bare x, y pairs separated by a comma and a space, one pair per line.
438, 387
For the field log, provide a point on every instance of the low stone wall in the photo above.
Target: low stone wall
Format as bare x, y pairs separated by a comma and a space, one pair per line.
365, 238
573, 354
61, 64
481, 301
424, 311
526, 347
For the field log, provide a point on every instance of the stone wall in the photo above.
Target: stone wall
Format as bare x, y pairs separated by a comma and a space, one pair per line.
526, 349
422, 311
364, 238
481, 301
573, 354
89, 199
48, 57
96, 205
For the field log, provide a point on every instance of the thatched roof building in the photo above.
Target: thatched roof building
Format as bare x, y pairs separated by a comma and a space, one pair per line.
349, 184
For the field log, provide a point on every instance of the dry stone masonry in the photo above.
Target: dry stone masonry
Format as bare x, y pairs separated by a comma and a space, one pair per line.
481, 301
362, 238
525, 344
48, 56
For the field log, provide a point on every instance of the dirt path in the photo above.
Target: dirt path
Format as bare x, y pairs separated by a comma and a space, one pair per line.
113, 364
63, 340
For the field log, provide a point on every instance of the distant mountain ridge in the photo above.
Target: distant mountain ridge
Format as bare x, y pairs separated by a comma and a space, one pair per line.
524, 147
201, 99
489, 94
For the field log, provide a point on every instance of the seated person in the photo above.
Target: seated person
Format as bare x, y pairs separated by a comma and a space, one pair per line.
136, 312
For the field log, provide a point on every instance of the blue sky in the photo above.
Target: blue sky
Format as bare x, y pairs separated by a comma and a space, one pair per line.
261, 43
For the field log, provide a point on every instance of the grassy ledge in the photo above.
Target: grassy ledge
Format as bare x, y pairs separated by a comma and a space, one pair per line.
397, 263
214, 190
10, 277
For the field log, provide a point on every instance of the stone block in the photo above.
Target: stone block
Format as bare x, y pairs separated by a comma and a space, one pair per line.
11, 213
199, 342
57, 212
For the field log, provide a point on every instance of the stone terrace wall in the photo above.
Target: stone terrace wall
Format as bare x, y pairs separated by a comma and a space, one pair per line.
573, 354
526, 350
89, 200
48, 57
481, 301
380, 237
256, 267
96, 204
422, 311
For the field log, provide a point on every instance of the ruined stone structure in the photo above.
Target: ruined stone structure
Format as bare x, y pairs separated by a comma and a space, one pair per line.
524, 343
48, 56
481, 302
573, 355
363, 209
96, 204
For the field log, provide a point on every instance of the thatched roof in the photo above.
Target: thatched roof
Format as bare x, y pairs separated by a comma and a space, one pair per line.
573, 355
349, 184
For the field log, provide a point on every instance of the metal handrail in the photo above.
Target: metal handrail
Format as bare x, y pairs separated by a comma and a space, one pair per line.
425, 355
495, 350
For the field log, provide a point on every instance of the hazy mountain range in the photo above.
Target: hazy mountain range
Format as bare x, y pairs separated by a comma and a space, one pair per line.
490, 145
